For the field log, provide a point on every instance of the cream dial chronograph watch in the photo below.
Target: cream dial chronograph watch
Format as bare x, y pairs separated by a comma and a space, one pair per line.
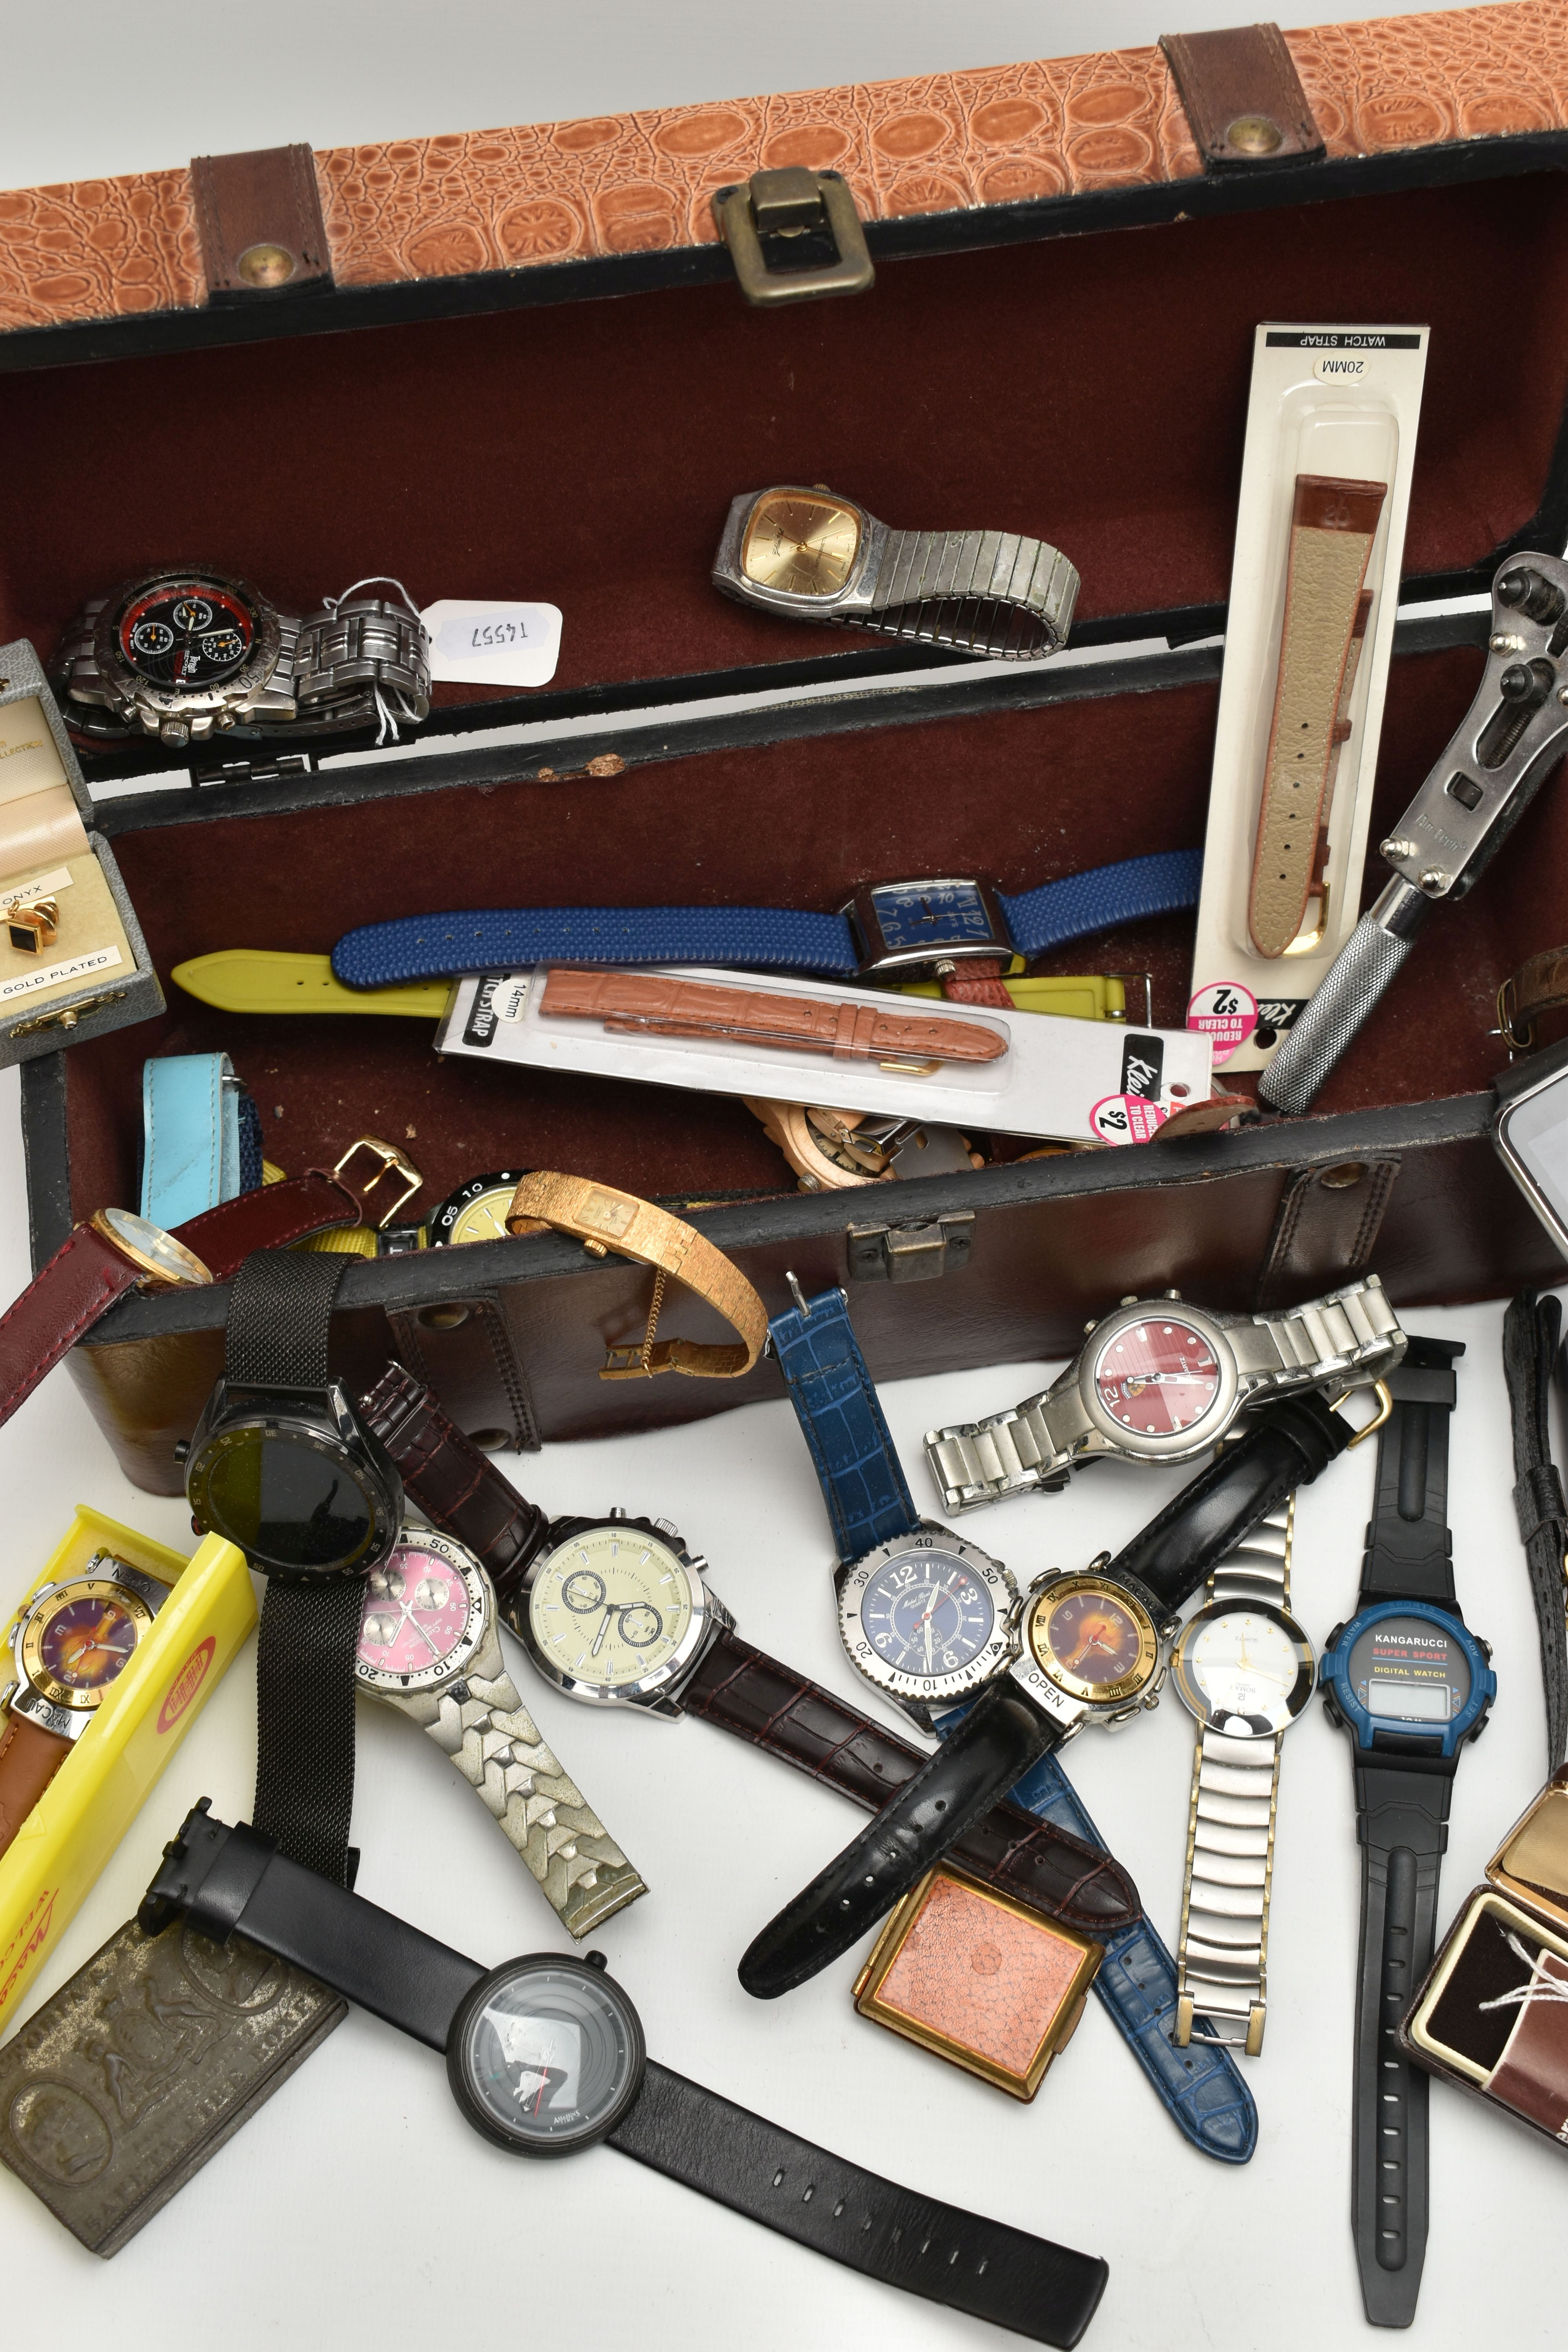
616, 1613
810, 555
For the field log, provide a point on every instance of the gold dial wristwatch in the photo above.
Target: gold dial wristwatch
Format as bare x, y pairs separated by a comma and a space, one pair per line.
810, 555
1327, 606
1245, 1670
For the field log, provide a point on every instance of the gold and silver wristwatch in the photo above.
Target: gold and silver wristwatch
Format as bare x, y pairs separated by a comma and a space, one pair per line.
1162, 1382
186, 653
810, 555
1245, 1670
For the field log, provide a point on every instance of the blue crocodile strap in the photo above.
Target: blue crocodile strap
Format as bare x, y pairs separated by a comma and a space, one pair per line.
766, 939
190, 1136
849, 1442
1200, 2086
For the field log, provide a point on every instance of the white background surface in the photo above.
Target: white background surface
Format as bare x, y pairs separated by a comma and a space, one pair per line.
357, 2209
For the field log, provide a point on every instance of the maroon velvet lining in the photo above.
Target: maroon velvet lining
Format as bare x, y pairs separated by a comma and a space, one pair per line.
1091, 390
1023, 796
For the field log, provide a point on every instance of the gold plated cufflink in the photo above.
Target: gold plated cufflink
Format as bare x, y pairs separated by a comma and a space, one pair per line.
33, 924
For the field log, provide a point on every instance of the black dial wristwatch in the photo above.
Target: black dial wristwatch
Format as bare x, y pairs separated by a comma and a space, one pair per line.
545, 2056
1092, 1650
1410, 1684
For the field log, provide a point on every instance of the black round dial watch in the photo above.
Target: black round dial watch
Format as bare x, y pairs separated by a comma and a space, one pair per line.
187, 652
545, 2056
1411, 1684
1092, 1648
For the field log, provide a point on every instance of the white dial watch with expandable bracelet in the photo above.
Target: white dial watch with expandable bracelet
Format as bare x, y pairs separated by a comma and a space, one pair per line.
1163, 1382
1245, 1670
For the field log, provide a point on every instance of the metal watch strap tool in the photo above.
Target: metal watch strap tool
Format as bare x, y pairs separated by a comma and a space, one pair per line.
1163, 1382
1532, 1334
1503, 749
1332, 526
893, 930
1090, 1650
505, 2031
1410, 1684
184, 654
1245, 1670
810, 555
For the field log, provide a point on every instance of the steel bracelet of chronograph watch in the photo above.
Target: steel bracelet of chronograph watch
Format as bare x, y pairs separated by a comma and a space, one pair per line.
1090, 1647
69, 1643
810, 555
1243, 1667
186, 653
429, 1646
1163, 1382
1410, 1684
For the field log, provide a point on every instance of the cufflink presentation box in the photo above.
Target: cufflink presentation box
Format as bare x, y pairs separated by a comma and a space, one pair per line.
97, 1791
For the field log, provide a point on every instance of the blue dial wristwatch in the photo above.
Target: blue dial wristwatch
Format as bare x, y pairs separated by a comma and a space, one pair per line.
1410, 1684
886, 928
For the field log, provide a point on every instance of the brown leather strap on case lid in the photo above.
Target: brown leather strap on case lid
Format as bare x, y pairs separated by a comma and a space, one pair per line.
1243, 97
744, 1692
258, 221
270, 1217
1539, 986
30, 1759
458, 1490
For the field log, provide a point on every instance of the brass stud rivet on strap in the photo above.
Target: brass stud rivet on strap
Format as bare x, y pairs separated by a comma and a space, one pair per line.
1254, 134
1341, 1179
266, 265
443, 1319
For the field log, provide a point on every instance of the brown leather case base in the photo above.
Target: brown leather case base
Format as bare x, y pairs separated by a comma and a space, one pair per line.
1123, 284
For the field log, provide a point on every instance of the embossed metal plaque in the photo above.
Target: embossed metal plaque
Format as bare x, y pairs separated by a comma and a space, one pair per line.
139, 2069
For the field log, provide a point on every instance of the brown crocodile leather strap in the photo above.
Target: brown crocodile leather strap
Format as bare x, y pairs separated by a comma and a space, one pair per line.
641, 1005
1539, 986
1332, 527
977, 983
30, 1759
457, 1488
770, 1705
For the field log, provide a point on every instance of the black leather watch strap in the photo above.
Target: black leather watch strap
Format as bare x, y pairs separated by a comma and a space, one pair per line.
279, 1317
1286, 1446
1003, 1734
1530, 1331
1409, 1550
1402, 1823
1044, 2292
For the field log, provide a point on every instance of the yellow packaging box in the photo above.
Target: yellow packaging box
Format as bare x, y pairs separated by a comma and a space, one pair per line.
99, 1790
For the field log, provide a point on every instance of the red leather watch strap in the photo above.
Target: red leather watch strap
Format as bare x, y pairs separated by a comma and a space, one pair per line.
270, 1217
30, 1759
739, 1688
66, 1297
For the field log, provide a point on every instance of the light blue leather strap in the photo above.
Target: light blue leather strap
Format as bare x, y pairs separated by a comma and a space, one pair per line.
764, 938
190, 1136
1200, 2087
830, 1388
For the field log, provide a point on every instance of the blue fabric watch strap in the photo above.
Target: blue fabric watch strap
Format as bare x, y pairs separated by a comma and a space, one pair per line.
766, 939
868, 1499
1200, 2086
190, 1136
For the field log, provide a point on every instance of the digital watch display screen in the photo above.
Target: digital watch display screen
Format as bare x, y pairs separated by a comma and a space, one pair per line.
1408, 1669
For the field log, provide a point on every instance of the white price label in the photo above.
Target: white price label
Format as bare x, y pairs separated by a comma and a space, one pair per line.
480, 643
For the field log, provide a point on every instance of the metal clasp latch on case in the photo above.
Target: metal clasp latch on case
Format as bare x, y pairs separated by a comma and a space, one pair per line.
392, 1163
794, 235
909, 1253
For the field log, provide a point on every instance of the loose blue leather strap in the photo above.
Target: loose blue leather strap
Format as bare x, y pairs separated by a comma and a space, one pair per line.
1200, 2087
830, 1388
190, 1136
766, 939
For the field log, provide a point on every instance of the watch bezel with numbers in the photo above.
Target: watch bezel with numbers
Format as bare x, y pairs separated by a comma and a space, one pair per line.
917, 1694
1347, 1340
444, 1224
479, 1615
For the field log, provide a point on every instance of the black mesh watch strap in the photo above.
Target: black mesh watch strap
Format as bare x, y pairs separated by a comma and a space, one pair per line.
1530, 1331
1409, 1550
1044, 2292
1403, 1815
279, 1317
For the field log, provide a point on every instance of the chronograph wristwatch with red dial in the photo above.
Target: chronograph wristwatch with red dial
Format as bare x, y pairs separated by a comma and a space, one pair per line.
186, 653
1162, 1382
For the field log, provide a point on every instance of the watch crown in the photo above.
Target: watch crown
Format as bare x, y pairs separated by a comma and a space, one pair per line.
1130, 1300
1152, 1699
667, 1527
1087, 1328
616, 1512
1171, 1294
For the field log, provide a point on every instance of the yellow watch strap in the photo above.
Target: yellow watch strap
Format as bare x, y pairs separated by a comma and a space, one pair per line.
1072, 996
605, 1219
258, 980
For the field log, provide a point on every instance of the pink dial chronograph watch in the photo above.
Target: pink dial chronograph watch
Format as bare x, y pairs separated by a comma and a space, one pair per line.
1159, 1380
429, 1646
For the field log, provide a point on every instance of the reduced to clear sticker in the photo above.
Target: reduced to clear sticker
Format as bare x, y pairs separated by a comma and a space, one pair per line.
1228, 1012
1127, 1118
488, 642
